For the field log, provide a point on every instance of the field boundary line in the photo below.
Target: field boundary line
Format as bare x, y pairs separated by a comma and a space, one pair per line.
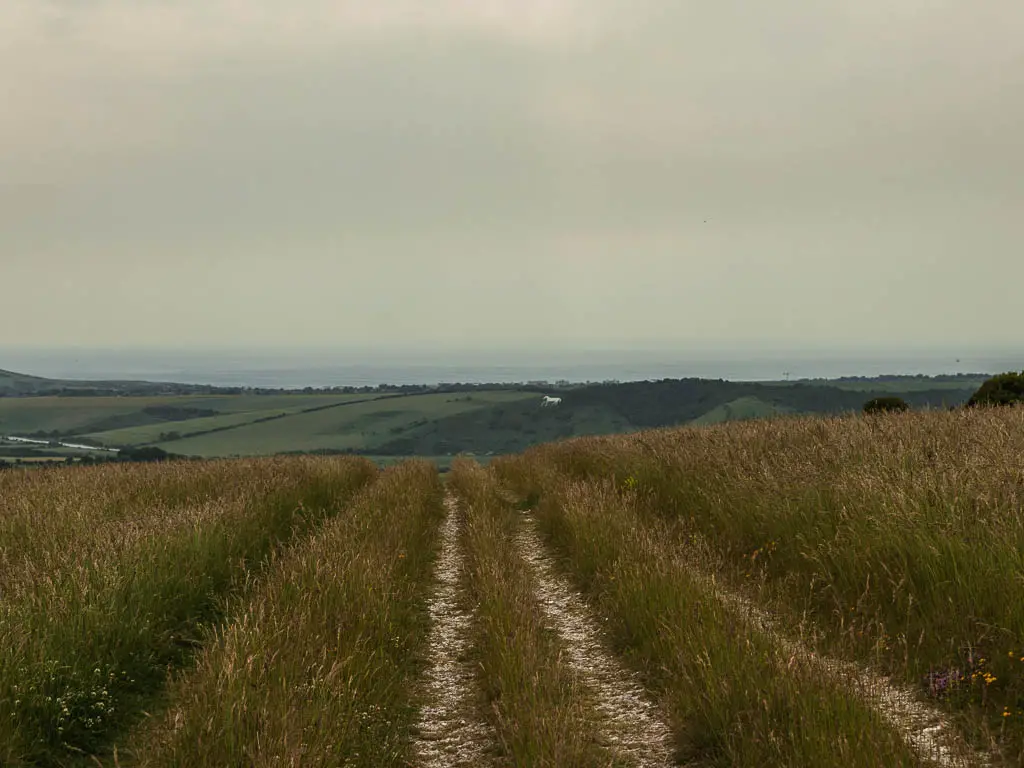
922, 726
276, 417
447, 731
635, 729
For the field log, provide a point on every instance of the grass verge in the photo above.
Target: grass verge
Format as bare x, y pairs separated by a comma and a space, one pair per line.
317, 666
733, 696
88, 642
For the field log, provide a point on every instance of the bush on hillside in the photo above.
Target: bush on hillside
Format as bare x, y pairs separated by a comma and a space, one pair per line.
146, 453
1004, 389
886, 405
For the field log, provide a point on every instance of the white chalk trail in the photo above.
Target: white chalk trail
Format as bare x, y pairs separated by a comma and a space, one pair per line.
448, 732
635, 730
925, 728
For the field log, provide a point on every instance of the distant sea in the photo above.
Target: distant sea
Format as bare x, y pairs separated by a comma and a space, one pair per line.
289, 369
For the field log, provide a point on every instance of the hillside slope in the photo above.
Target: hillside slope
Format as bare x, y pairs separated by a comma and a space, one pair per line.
11, 382
628, 407
423, 421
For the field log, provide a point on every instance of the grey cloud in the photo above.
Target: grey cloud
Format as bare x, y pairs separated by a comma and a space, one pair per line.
719, 171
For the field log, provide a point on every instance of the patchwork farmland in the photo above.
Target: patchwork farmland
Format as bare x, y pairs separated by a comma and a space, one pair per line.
800, 592
386, 422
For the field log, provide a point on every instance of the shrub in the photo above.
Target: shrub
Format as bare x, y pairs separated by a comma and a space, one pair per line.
1004, 389
886, 405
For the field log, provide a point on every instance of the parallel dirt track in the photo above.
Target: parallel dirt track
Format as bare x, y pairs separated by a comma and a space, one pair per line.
635, 730
928, 732
448, 732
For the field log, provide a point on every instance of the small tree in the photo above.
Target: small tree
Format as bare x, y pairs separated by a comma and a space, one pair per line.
886, 405
1004, 389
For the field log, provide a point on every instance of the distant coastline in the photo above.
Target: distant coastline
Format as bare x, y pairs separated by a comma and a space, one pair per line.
341, 370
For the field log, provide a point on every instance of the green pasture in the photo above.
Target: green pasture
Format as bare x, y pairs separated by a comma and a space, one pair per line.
151, 433
359, 426
94, 415
508, 427
739, 409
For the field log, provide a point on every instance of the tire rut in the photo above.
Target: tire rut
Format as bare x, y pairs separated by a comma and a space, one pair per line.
448, 733
634, 729
923, 727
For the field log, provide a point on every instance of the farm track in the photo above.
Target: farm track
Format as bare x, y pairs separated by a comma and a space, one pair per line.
635, 730
448, 732
923, 727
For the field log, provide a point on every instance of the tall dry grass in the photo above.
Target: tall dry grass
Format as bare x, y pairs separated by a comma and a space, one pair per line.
541, 713
46, 514
107, 585
318, 664
735, 697
900, 537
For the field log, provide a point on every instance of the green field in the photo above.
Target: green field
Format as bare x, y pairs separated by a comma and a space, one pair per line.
360, 426
231, 415
738, 410
93, 415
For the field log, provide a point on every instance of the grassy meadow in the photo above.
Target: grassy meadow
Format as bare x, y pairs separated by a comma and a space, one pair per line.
701, 596
892, 540
111, 575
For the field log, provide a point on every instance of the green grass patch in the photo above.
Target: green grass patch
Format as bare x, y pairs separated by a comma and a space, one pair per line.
737, 410
87, 415
359, 426
156, 433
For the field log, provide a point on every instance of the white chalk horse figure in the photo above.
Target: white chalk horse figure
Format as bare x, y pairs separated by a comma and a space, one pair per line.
550, 401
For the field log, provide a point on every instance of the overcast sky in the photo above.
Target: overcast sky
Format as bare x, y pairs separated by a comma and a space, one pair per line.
546, 173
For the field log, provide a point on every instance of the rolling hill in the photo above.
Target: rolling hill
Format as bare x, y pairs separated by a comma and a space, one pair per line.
419, 421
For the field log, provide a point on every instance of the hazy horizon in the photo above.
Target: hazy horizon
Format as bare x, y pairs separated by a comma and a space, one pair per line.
295, 369
398, 353
493, 177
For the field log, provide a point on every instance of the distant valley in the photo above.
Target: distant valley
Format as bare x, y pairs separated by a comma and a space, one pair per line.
386, 423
